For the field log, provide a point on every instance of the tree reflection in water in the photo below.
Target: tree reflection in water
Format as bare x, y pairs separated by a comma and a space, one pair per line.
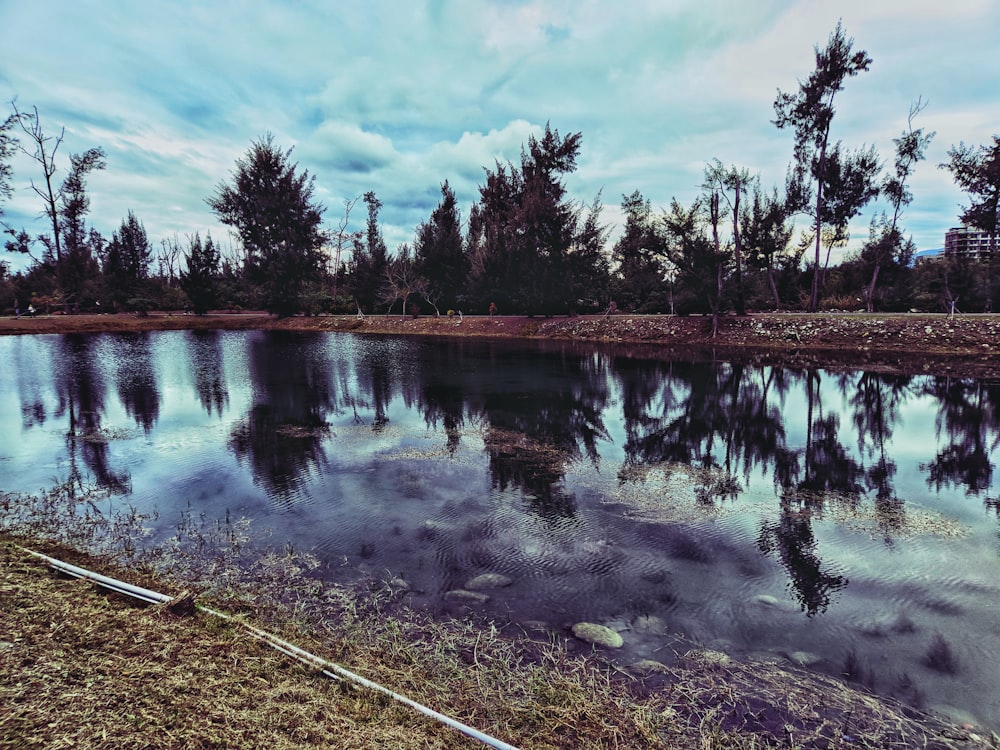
537, 425
768, 473
205, 356
541, 409
135, 376
792, 539
282, 435
81, 392
876, 400
969, 410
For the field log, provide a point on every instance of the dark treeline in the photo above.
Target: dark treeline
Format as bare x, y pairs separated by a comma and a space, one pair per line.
525, 246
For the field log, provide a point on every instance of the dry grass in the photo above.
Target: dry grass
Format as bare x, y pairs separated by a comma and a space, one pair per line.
84, 669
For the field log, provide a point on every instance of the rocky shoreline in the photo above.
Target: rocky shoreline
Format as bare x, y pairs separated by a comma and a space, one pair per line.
967, 345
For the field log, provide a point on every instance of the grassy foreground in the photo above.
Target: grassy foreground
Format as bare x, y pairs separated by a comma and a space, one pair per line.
83, 668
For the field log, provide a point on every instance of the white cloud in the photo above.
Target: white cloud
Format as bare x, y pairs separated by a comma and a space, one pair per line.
398, 97
343, 146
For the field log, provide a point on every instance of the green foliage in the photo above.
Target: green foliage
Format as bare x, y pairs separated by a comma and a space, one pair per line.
638, 281
370, 261
270, 204
200, 279
886, 257
440, 254
524, 232
976, 169
76, 266
732, 184
167, 297
886, 253
316, 300
839, 179
126, 260
588, 272
702, 262
140, 305
766, 233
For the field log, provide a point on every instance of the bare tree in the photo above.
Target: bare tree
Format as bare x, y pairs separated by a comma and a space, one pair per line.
886, 243
402, 280
341, 239
43, 150
168, 259
71, 246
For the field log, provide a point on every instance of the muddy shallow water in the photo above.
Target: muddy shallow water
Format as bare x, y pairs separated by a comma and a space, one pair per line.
842, 520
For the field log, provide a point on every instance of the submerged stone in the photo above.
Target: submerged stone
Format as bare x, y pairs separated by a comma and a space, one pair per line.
772, 602
461, 595
650, 624
804, 658
599, 635
488, 581
650, 666
767, 600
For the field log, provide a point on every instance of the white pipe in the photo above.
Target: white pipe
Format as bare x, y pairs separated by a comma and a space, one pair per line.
114, 584
275, 642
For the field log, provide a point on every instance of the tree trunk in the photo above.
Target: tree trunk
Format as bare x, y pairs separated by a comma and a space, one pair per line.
774, 288
814, 298
741, 304
870, 290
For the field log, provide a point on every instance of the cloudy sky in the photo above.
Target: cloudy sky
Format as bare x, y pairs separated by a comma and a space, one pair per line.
398, 96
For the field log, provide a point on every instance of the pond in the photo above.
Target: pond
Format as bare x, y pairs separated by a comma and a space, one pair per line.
846, 521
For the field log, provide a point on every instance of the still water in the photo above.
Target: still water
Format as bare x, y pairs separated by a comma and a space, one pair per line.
848, 521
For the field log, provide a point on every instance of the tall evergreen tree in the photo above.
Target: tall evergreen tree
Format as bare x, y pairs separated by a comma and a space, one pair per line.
76, 266
201, 278
493, 246
638, 283
440, 253
8, 147
697, 252
523, 229
270, 203
126, 261
766, 234
732, 185
547, 221
886, 247
370, 261
587, 270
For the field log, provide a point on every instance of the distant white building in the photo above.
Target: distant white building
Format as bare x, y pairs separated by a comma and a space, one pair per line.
968, 241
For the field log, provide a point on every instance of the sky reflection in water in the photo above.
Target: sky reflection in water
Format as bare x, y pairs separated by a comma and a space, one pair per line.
845, 519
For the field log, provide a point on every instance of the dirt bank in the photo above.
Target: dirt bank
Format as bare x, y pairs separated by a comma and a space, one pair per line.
909, 343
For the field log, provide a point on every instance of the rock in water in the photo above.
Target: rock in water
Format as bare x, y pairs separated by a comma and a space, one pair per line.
649, 666
488, 581
461, 595
650, 624
804, 658
597, 634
